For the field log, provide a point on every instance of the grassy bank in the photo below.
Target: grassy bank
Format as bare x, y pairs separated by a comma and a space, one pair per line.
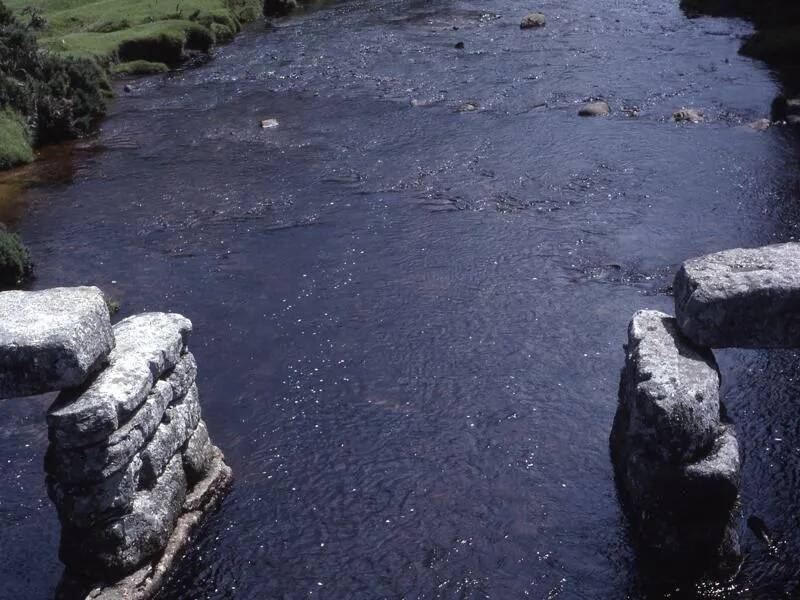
113, 32
55, 55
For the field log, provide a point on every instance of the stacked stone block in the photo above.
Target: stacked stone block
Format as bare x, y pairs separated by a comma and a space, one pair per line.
676, 459
130, 466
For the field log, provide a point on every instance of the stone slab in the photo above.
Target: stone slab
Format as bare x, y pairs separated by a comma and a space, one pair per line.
93, 504
198, 453
745, 298
669, 390
98, 461
179, 422
148, 345
145, 582
52, 339
122, 546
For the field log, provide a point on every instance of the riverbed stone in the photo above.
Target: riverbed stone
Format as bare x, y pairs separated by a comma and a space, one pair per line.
96, 462
52, 339
147, 345
595, 109
92, 504
669, 390
745, 298
198, 453
179, 422
687, 115
533, 20
121, 546
760, 124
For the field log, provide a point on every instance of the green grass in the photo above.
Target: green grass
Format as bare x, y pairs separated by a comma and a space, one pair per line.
15, 140
111, 31
139, 67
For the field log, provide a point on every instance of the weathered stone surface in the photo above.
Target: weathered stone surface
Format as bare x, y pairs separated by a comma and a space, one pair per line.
198, 453
93, 504
179, 422
687, 115
533, 20
183, 376
145, 582
98, 461
710, 484
669, 390
120, 547
747, 298
208, 490
51, 339
147, 345
595, 109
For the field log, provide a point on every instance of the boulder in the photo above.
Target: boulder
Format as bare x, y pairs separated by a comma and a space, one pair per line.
746, 298
179, 422
147, 345
52, 339
96, 462
760, 125
687, 115
121, 546
595, 109
533, 20
669, 391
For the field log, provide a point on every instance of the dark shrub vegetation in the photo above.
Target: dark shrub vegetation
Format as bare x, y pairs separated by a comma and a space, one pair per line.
59, 98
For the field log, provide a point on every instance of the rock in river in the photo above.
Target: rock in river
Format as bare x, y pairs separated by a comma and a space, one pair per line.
595, 109
533, 20
669, 393
687, 115
745, 298
51, 339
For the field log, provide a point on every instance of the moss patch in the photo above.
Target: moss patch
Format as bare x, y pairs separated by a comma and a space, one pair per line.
139, 67
15, 140
15, 261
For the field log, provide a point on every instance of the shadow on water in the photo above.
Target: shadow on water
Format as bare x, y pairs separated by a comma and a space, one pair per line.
409, 317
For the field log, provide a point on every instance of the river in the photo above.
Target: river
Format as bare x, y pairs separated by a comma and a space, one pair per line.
409, 319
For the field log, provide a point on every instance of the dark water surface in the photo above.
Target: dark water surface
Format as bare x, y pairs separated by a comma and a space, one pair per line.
409, 319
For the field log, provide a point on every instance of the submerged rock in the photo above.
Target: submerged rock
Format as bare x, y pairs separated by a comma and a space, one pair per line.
745, 298
595, 109
670, 390
760, 125
533, 20
51, 339
468, 107
687, 115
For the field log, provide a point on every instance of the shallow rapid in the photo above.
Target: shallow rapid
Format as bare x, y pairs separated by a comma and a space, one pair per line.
409, 318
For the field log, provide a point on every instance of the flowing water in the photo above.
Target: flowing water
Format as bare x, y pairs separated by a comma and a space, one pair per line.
408, 318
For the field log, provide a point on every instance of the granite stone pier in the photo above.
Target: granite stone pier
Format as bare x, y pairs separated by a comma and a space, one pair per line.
130, 467
676, 458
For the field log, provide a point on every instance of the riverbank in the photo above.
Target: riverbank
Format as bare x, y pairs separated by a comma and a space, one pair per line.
777, 37
121, 37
